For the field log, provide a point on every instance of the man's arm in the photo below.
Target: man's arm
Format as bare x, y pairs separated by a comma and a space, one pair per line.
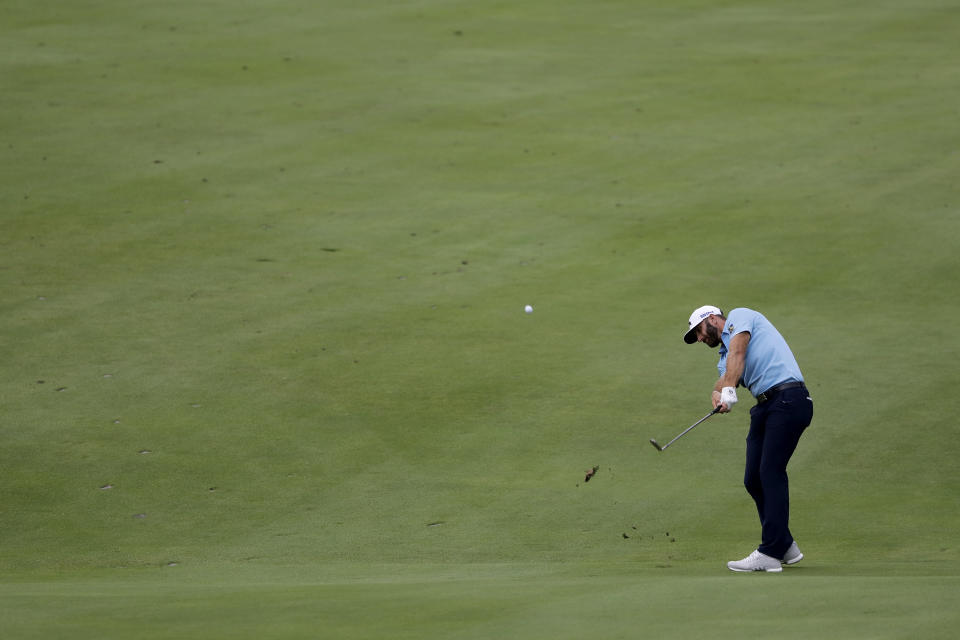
736, 358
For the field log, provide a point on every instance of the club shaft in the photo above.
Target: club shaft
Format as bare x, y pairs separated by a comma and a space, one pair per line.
688, 429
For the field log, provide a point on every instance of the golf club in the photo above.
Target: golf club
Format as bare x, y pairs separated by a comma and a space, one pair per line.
659, 448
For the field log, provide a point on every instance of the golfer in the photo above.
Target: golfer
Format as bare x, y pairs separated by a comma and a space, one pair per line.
754, 355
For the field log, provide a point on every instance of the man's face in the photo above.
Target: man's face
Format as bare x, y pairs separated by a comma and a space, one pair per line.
708, 333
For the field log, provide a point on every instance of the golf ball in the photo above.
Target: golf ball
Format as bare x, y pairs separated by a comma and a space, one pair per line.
528, 309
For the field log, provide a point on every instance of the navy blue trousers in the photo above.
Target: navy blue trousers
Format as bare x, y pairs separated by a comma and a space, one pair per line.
775, 429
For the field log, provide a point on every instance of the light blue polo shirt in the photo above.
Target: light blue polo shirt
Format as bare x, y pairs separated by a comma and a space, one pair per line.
769, 361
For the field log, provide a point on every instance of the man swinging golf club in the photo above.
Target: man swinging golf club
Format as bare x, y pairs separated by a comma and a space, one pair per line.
753, 354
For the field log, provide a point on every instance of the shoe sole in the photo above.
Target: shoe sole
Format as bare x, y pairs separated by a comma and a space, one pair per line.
793, 560
771, 570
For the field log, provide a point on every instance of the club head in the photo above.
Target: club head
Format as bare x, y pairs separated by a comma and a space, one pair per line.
656, 446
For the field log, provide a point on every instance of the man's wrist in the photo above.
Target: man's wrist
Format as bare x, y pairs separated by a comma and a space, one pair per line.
728, 396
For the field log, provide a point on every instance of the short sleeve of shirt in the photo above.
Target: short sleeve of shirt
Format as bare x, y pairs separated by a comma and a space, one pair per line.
740, 320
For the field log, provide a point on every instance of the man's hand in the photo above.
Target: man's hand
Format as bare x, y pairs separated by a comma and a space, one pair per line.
728, 396
725, 399
718, 402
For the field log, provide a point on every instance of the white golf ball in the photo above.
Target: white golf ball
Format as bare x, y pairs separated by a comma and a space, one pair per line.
528, 309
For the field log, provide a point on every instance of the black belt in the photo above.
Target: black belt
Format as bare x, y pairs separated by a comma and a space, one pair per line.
772, 391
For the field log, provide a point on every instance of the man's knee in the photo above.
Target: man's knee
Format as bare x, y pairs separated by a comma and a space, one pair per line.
752, 482
772, 476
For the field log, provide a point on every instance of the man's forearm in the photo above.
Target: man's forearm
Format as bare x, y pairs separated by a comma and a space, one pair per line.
731, 377
736, 360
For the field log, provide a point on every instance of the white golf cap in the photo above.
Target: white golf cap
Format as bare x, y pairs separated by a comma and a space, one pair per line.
696, 318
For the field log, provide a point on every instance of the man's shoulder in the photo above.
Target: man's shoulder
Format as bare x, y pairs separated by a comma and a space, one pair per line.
741, 319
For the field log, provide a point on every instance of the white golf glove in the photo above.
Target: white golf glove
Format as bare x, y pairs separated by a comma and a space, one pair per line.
728, 396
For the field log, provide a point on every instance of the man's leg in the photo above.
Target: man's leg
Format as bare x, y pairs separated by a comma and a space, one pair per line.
752, 480
788, 416
751, 472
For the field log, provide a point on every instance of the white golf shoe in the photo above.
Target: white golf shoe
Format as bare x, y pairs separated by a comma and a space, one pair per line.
793, 554
756, 561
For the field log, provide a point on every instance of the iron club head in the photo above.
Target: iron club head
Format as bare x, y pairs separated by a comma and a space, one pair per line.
654, 443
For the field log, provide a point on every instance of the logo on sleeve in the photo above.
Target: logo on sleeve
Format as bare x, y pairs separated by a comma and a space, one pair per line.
730, 327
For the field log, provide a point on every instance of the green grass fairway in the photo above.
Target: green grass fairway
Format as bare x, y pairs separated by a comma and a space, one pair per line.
265, 367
